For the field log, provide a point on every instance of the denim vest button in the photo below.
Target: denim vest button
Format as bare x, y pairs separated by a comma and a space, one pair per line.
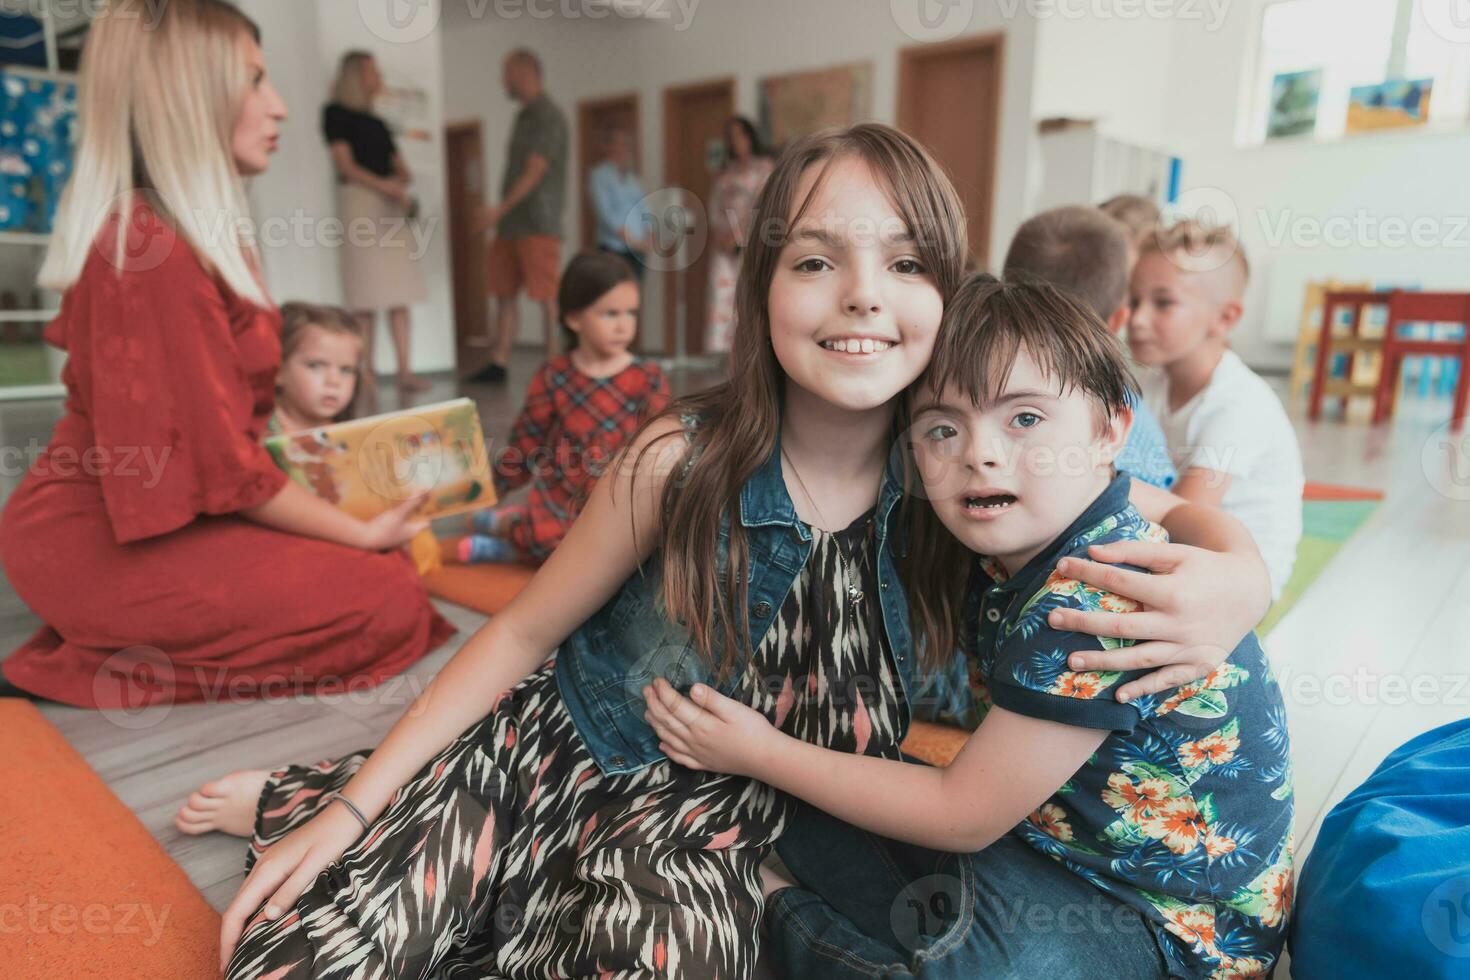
884, 586
762, 609
618, 760
992, 614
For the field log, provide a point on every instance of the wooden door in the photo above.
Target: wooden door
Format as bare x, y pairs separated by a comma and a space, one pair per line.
949, 100
694, 122
594, 118
465, 162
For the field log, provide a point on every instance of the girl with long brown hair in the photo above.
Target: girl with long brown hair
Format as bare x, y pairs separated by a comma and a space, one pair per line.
520, 818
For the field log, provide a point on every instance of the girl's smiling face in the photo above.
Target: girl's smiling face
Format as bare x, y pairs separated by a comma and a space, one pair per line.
853, 311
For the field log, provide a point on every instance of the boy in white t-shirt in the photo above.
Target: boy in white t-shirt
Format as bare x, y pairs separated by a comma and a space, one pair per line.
1228, 435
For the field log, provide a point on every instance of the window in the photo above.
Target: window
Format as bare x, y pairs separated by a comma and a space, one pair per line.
1362, 42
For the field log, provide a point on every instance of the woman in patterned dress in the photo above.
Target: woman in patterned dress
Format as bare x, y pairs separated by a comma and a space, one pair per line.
731, 204
520, 820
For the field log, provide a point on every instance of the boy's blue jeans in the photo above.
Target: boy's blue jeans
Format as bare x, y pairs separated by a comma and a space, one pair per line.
872, 907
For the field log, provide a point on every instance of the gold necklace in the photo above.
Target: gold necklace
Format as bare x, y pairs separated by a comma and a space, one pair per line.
854, 594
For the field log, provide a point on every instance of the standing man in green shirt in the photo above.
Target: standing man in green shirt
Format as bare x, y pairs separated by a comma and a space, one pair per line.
527, 222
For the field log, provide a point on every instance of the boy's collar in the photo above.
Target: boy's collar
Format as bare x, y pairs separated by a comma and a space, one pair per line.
1112, 500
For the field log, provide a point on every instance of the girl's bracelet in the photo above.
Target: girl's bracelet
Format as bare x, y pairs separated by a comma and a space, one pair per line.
352, 809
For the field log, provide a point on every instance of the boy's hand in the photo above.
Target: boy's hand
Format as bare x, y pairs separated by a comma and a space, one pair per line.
708, 730
1198, 605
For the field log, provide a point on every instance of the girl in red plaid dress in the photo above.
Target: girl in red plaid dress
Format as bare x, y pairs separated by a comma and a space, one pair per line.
582, 407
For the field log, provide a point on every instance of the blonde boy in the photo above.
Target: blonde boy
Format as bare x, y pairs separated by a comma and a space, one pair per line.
1228, 435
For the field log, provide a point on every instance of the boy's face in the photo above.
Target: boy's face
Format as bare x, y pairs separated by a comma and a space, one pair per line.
1175, 311
1007, 477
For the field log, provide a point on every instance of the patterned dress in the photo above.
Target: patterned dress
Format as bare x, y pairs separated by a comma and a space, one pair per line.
510, 855
732, 202
569, 430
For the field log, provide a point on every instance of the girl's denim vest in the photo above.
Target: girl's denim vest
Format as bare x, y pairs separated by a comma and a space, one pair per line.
602, 668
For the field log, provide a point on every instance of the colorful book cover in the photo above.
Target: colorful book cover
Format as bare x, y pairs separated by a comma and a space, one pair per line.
1388, 105
366, 466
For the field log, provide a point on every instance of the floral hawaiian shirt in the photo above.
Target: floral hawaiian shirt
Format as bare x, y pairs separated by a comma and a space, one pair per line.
1185, 811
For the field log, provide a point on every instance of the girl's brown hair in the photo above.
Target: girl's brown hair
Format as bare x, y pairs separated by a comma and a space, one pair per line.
986, 325
297, 318
586, 279
740, 418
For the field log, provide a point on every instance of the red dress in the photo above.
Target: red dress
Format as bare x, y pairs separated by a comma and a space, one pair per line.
571, 427
124, 536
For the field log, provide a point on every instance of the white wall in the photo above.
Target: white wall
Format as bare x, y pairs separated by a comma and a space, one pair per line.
1368, 181
749, 39
1111, 70
1184, 78
303, 42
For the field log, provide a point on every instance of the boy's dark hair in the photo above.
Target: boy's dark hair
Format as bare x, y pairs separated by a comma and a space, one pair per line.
1077, 248
585, 280
988, 323
985, 325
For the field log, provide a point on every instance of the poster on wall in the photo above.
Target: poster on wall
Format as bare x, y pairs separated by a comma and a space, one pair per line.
1388, 105
794, 105
38, 125
1294, 104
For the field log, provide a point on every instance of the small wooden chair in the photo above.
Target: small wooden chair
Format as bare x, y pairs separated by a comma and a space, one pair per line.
1362, 377
1435, 308
1309, 332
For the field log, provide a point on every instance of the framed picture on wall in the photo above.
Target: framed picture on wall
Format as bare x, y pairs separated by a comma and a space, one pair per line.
1388, 105
794, 105
1294, 104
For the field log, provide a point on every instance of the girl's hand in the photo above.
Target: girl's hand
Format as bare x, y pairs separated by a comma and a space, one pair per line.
285, 870
393, 528
710, 731
1198, 605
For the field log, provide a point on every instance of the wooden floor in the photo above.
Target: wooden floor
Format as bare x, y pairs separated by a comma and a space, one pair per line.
1390, 615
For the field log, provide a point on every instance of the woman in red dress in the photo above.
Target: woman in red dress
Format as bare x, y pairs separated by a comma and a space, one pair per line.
169, 558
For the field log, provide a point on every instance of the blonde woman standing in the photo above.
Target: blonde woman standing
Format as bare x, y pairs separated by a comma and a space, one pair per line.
379, 271
208, 573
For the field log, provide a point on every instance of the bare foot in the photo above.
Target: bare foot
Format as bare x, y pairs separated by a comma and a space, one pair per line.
227, 804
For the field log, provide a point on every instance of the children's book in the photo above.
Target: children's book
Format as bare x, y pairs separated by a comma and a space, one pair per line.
368, 465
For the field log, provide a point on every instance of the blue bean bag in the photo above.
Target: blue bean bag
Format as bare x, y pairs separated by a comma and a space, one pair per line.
1386, 889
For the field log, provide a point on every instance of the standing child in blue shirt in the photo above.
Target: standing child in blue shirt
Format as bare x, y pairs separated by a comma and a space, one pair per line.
1085, 251
1154, 835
